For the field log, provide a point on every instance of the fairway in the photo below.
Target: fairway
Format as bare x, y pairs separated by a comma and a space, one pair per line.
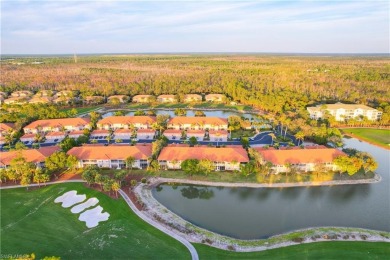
377, 136
321, 250
32, 223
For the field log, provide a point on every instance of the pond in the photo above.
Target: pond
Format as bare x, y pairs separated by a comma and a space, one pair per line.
214, 113
253, 213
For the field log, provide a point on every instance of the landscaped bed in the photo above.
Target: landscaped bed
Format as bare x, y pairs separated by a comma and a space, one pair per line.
32, 223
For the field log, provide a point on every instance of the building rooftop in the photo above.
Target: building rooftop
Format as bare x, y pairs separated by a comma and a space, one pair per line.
181, 120
281, 157
223, 154
77, 121
125, 120
31, 155
111, 152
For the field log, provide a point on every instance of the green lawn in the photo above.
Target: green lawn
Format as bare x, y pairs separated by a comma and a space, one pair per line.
81, 110
243, 133
32, 222
172, 105
321, 250
378, 136
137, 106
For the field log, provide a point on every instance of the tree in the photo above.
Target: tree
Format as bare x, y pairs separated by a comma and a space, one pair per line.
115, 187
100, 179
205, 166
153, 167
9, 137
248, 168
121, 175
300, 136
190, 166
56, 161
245, 142
119, 113
107, 184
129, 162
273, 137
20, 146
67, 143
72, 162
139, 113
199, 113
82, 139
40, 176
234, 122
368, 162
193, 141
180, 112
38, 138
89, 174
95, 117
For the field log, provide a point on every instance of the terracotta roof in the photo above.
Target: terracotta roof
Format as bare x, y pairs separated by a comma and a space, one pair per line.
21, 92
111, 152
223, 154
127, 120
77, 121
27, 136
76, 132
281, 157
123, 131
181, 120
55, 134
6, 126
99, 132
31, 155
196, 132
218, 132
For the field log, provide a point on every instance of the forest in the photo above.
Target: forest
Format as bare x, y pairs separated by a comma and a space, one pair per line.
275, 84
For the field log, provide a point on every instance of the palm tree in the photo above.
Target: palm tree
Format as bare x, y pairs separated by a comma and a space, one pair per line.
300, 136
38, 138
9, 137
273, 137
129, 162
115, 187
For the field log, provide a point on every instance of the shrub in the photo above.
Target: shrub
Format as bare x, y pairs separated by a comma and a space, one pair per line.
143, 180
133, 183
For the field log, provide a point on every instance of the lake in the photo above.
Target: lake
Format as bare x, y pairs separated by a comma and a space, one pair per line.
254, 213
214, 113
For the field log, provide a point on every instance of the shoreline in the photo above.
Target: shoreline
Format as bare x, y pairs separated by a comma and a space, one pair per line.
159, 180
362, 139
157, 212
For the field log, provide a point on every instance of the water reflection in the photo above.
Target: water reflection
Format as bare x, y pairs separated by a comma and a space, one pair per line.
249, 213
192, 192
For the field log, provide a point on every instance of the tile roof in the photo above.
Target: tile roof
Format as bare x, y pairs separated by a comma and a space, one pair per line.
100, 132
181, 120
141, 96
31, 155
218, 132
223, 154
193, 96
113, 152
76, 132
146, 131
281, 157
55, 134
214, 96
27, 136
110, 120
6, 126
77, 121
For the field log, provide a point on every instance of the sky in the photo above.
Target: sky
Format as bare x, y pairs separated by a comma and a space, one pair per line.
67, 27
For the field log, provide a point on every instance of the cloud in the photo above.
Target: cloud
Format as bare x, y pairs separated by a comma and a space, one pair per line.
190, 26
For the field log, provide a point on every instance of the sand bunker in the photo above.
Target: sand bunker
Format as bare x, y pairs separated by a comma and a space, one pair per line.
70, 198
93, 216
80, 207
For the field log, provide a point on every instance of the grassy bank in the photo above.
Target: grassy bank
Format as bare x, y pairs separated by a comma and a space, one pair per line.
32, 222
82, 110
376, 136
236, 177
321, 250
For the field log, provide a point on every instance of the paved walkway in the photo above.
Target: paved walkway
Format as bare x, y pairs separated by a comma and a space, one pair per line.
157, 225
